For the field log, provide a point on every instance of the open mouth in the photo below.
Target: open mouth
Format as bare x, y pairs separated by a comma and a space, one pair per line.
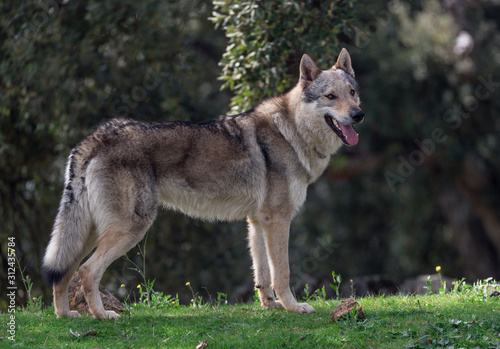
345, 132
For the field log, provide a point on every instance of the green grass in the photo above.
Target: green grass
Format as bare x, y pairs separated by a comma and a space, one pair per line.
466, 319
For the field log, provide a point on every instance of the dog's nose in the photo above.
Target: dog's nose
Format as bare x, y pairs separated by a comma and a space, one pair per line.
358, 115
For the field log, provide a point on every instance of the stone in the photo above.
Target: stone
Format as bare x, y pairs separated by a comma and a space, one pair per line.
344, 308
77, 298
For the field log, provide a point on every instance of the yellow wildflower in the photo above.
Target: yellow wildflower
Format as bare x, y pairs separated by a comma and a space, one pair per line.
122, 285
188, 283
438, 268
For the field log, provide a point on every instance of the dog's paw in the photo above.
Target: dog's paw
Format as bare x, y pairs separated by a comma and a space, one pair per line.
112, 315
107, 315
70, 315
301, 308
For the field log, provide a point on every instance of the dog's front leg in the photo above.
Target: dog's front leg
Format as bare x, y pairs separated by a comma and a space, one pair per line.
277, 231
262, 273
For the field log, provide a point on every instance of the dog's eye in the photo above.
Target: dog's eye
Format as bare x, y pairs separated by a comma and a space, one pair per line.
353, 92
330, 96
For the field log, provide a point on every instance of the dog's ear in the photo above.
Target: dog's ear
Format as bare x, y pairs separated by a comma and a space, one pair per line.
308, 69
344, 62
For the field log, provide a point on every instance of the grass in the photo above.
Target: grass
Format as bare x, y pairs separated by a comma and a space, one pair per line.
468, 317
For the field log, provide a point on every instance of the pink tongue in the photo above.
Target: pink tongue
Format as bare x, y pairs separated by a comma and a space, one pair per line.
350, 135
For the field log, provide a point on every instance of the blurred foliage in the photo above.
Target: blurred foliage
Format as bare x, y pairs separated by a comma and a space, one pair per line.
387, 206
266, 40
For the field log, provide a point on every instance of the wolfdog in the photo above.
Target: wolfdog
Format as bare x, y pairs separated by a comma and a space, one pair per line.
255, 165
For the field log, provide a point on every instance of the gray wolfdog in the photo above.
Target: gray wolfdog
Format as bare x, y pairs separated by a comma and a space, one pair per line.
255, 165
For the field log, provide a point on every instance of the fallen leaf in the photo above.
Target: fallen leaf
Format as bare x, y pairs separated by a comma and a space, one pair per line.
345, 308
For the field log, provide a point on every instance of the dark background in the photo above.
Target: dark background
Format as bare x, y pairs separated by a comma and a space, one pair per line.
420, 189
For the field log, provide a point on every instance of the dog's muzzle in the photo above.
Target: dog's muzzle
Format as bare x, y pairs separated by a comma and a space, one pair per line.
346, 132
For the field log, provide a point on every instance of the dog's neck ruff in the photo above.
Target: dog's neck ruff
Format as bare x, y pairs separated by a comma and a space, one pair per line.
312, 159
292, 138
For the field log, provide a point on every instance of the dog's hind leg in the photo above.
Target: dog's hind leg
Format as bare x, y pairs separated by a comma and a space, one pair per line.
123, 203
262, 272
61, 302
113, 244
60, 289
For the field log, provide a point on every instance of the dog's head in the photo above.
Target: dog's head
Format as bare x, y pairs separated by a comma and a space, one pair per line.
333, 96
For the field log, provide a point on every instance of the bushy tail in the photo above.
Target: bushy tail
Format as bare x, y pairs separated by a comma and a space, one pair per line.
68, 238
